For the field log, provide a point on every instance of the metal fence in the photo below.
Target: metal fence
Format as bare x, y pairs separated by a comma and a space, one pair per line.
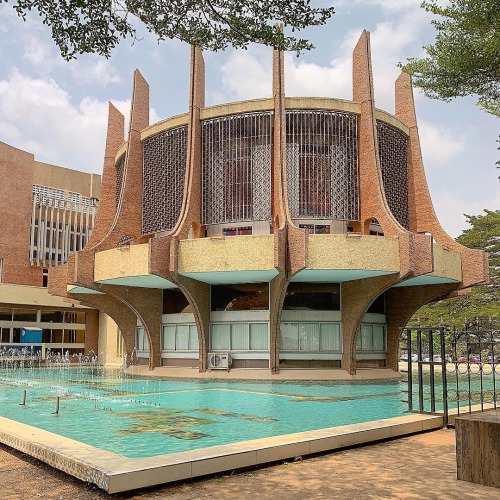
452, 369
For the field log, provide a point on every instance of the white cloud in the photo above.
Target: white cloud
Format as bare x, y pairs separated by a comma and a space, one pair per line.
86, 69
247, 74
439, 144
386, 5
95, 70
38, 116
39, 54
450, 207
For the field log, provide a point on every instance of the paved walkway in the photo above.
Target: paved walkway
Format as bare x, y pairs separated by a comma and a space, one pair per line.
416, 467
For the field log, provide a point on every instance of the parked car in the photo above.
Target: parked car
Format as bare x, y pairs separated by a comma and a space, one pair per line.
404, 357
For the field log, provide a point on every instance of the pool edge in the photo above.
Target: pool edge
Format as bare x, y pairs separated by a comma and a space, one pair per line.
115, 473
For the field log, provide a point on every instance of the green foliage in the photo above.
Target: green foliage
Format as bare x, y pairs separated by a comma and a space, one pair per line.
483, 301
465, 58
97, 26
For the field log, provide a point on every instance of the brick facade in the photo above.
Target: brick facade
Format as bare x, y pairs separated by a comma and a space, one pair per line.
129, 299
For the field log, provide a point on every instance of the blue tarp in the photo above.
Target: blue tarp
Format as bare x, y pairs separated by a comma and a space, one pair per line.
31, 335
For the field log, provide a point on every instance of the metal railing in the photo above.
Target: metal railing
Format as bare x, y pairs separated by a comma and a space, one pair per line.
452, 369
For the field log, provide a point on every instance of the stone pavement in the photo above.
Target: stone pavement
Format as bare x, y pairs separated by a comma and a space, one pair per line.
416, 467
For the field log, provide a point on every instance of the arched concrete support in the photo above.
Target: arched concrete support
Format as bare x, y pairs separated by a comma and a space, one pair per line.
357, 295
292, 254
422, 215
92, 331
163, 254
163, 251
122, 315
401, 303
290, 242
147, 304
277, 292
198, 295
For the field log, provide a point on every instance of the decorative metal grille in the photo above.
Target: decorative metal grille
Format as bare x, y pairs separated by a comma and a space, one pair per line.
120, 167
393, 151
322, 165
164, 170
60, 224
236, 166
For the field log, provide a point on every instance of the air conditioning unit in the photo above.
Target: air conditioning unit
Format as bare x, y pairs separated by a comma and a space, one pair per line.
219, 361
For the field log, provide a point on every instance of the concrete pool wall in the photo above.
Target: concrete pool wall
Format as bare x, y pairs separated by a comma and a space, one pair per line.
115, 473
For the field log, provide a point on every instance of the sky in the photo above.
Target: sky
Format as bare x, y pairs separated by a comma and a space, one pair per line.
57, 110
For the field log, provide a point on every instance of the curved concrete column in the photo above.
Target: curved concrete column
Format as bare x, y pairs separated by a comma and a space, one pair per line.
357, 295
127, 224
198, 295
146, 304
190, 213
401, 304
107, 203
290, 242
415, 250
373, 203
163, 251
121, 314
422, 215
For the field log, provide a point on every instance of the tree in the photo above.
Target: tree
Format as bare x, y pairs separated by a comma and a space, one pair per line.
484, 300
97, 26
465, 58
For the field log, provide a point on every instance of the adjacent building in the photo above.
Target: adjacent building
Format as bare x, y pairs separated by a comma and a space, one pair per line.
287, 232
47, 213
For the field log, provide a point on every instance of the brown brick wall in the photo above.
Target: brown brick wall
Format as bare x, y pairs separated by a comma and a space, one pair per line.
16, 173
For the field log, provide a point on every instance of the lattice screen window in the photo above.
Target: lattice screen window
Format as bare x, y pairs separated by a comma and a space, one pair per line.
236, 166
322, 165
393, 151
60, 224
120, 167
49, 196
164, 170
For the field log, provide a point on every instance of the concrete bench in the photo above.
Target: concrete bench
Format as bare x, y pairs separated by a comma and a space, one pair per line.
478, 448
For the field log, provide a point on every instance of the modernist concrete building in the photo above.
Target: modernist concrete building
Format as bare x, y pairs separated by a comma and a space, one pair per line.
47, 212
288, 232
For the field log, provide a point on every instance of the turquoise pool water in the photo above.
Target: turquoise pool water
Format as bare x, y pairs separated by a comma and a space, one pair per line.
138, 417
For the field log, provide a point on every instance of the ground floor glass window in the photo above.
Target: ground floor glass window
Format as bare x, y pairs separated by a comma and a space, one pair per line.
180, 337
142, 341
239, 336
311, 337
371, 338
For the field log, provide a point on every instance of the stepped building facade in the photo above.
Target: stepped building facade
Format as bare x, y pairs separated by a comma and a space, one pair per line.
287, 232
47, 213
